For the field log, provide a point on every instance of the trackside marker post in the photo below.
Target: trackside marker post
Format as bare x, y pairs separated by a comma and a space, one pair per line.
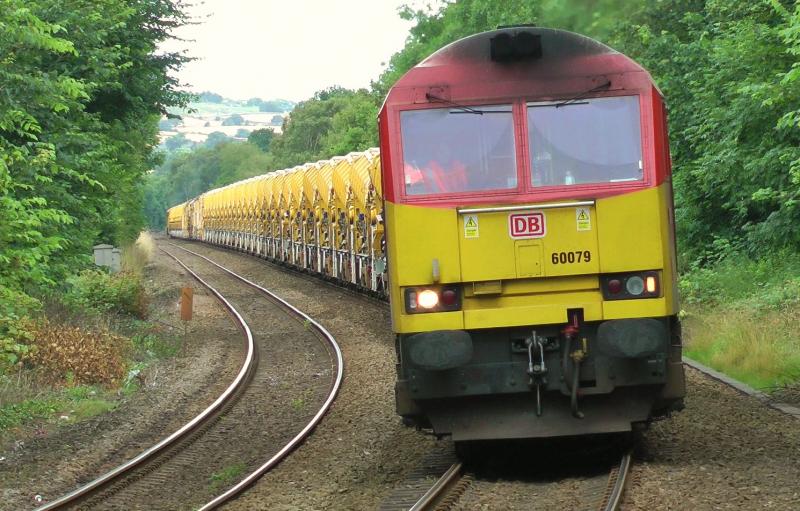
187, 294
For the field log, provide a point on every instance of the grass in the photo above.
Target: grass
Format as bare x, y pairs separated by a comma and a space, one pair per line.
225, 476
761, 350
740, 318
49, 406
154, 346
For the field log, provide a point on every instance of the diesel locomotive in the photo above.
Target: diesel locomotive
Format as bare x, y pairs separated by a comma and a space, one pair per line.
519, 218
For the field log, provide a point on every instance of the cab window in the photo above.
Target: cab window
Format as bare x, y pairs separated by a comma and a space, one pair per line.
586, 141
460, 149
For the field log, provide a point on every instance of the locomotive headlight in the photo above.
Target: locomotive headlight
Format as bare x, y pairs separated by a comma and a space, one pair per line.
428, 299
635, 285
446, 298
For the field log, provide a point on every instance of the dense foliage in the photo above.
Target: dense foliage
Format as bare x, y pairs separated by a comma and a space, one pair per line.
82, 91
730, 72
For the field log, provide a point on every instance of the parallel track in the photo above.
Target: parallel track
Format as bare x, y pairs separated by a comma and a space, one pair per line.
196, 425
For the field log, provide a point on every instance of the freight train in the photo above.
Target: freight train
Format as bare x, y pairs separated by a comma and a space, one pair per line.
519, 218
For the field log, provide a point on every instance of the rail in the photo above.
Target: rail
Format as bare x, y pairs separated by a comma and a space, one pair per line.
187, 428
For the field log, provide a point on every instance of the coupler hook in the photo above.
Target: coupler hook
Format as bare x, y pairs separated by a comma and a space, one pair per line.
536, 370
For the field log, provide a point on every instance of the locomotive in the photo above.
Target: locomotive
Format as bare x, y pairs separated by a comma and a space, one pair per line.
519, 217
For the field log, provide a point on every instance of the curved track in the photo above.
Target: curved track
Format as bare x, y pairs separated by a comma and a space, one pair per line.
107, 484
294, 442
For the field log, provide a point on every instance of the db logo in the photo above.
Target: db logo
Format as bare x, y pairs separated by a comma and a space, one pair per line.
526, 225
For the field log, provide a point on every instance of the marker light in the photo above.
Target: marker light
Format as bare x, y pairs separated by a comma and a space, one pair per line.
635, 285
412, 300
428, 299
628, 286
449, 297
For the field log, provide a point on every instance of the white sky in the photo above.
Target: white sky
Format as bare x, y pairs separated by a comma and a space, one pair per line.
288, 48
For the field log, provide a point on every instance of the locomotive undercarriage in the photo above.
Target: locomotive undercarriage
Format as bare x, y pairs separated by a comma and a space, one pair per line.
597, 377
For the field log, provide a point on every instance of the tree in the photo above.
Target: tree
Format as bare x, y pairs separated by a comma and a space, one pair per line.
210, 97
175, 142
168, 124
234, 120
276, 105
215, 138
277, 120
261, 138
83, 91
732, 85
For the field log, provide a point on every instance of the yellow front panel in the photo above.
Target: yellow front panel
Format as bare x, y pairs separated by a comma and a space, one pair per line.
489, 252
542, 309
518, 282
417, 236
631, 231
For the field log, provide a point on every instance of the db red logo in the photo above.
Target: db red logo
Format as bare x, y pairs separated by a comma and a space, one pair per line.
526, 225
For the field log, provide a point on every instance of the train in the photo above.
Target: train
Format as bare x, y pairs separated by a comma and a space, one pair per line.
519, 218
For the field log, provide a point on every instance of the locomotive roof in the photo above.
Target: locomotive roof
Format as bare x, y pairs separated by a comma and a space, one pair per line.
562, 55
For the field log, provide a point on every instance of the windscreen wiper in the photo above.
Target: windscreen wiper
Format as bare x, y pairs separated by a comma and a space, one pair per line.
582, 95
463, 109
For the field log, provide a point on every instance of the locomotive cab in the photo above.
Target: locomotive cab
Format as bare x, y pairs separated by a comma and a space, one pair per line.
530, 239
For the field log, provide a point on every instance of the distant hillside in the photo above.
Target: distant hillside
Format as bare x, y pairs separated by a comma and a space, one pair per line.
223, 117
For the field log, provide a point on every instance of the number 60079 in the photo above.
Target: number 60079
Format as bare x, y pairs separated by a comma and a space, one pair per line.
577, 256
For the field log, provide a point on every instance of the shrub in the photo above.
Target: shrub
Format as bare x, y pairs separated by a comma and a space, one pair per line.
77, 356
15, 333
769, 282
102, 292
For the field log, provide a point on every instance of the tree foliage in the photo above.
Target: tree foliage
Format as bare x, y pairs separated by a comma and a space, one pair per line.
83, 89
730, 72
261, 138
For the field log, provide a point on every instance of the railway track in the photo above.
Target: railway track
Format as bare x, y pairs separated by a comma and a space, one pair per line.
457, 486
160, 472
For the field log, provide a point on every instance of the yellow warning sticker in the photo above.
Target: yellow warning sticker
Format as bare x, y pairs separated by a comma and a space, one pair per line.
583, 219
471, 226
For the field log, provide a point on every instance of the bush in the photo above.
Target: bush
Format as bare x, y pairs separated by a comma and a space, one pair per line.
771, 282
77, 356
102, 292
15, 332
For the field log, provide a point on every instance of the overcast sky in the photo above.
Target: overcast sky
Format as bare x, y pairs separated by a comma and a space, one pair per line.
288, 48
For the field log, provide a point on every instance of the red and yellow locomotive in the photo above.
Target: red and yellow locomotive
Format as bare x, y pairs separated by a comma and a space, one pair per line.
523, 216
530, 239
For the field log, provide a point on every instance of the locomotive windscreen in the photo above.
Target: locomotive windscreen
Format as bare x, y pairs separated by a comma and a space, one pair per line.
592, 141
453, 150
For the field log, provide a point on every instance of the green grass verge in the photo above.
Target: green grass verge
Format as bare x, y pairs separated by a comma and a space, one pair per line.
741, 318
65, 406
